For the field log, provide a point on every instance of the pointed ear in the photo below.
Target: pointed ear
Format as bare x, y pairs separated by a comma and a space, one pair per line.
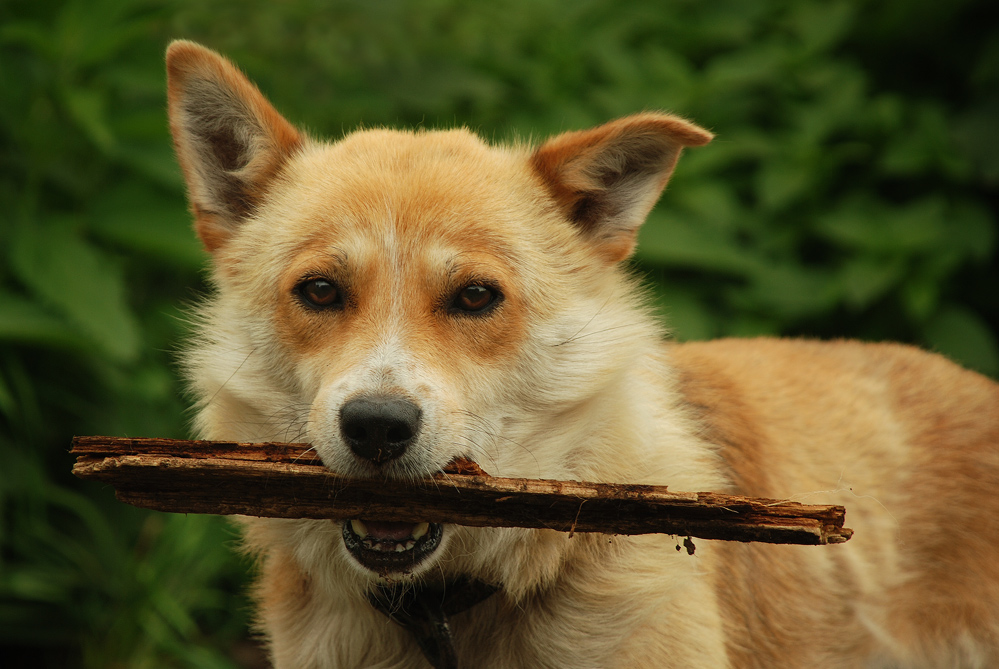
229, 140
606, 179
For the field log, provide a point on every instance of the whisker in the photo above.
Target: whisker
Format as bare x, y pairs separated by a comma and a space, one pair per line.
484, 427
211, 399
580, 336
587, 324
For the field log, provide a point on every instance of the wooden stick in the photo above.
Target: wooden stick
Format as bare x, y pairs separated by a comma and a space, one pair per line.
289, 481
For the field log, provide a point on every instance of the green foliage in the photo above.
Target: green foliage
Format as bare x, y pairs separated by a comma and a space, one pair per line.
853, 190
96, 257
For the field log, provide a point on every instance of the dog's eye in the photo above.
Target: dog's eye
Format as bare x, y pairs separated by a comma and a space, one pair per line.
320, 293
474, 298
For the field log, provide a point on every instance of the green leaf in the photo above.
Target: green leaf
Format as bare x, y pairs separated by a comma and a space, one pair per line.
780, 183
155, 162
87, 106
978, 134
685, 315
748, 325
788, 291
671, 240
963, 336
864, 279
8, 403
145, 220
822, 24
972, 230
921, 296
75, 278
25, 321
25, 33
868, 225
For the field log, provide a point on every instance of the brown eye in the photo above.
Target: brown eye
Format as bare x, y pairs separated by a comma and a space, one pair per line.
474, 298
320, 293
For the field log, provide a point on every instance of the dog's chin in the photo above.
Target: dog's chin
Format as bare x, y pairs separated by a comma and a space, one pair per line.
392, 549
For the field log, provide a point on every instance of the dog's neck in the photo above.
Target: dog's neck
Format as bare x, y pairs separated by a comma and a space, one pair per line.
423, 610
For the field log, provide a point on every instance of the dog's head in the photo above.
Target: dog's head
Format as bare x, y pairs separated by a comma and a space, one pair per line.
402, 298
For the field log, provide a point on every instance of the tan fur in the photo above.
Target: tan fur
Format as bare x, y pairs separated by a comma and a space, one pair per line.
568, 377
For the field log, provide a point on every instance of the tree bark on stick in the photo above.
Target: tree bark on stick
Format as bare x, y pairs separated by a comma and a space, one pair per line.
289, 481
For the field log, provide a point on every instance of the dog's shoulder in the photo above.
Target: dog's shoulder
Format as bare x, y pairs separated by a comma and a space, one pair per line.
720, 372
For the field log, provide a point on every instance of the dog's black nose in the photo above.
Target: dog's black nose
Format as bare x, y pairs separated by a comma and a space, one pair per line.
379, 429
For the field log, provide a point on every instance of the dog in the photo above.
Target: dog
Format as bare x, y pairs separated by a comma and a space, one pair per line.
399, 299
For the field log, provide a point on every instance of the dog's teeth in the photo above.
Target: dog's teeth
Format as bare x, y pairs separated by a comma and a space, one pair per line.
410, 544
399, 548
420, 529
360, 529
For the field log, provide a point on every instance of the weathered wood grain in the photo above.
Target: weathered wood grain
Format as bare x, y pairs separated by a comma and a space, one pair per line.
288, 481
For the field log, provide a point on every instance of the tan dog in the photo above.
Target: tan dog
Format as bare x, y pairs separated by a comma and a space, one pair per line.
401, 298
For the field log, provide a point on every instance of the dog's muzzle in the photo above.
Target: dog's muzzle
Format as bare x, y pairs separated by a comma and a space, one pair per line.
386, 547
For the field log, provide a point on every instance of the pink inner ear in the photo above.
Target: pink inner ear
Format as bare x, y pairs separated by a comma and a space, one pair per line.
606, 180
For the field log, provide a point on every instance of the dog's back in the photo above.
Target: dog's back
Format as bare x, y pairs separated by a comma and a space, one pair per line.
907, 441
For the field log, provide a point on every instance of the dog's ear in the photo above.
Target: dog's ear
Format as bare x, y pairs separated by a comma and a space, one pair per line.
607, 179
229, 140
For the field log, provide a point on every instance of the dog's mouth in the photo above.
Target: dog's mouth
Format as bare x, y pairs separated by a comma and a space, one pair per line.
386, 548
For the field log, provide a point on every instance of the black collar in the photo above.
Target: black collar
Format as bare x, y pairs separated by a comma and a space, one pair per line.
422, 609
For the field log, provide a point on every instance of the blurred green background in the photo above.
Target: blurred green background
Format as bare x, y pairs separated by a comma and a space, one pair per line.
853, 191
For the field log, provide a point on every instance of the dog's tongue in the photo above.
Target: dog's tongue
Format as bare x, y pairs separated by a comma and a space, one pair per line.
383, 530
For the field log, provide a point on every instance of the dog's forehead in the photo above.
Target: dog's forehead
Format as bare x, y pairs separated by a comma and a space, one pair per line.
412, 174
445, 194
